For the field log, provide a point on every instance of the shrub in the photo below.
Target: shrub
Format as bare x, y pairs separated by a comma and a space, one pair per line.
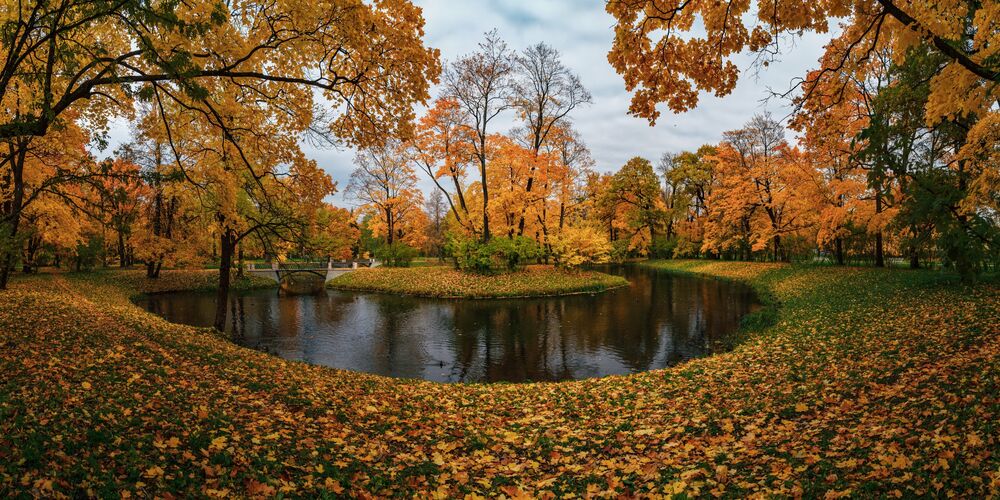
396, 254
620, 251
686, 249
576, 246
663, 247
497, 255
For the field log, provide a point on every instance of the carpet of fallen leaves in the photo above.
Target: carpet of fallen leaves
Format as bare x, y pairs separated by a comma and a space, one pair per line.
442, 281
868, 383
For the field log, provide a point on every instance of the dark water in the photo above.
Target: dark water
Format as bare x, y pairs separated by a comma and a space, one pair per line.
659, 320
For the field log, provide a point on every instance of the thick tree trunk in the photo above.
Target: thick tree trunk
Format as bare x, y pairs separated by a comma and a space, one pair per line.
34, 243
122, 260
839, 252
227, 243
10, 217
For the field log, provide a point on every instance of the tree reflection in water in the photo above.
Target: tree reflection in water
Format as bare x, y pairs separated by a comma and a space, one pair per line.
659, 320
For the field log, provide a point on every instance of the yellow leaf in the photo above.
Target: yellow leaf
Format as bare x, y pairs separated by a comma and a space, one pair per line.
218, 443
153, 472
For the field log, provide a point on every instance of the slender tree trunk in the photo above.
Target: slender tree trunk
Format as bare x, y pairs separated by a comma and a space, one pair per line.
486, 192
239, 266
389, 226
879, 249
227, 243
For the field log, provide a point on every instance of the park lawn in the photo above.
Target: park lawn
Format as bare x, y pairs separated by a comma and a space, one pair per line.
444, 281
867, 382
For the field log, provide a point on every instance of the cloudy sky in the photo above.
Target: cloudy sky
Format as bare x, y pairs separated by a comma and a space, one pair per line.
582, 31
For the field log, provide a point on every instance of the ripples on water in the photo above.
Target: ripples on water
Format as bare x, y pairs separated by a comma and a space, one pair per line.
659, 320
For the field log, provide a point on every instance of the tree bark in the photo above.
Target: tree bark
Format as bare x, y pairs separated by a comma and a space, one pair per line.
839, 252
486, 201
227, 243
122, 261
879, 248
11, 215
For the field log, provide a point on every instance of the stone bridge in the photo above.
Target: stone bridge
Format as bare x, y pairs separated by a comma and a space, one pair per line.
326, 270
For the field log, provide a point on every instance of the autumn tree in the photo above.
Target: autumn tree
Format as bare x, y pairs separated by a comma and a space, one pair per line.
171, 226
34, 169
121, 190
761, 192
331, 232
366, 60
510, 164
481, 84
442, 149
662, 62
575, 166
830, 123
632, 205
928, 165
544, 93
385, 183
436, 212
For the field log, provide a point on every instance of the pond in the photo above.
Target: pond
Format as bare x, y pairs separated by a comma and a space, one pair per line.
659, 320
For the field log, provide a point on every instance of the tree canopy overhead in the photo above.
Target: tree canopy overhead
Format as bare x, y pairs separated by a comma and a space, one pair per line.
657, 51
367, 59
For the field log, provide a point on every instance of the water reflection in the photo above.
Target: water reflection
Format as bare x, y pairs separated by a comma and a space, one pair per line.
659, 320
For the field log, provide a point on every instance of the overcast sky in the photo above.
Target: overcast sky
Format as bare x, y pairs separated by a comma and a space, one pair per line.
582, 32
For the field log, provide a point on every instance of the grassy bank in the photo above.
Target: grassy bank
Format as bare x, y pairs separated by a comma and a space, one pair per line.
442, 281
869, 382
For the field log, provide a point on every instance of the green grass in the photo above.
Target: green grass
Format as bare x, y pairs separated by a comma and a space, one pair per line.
867, 383
442, 281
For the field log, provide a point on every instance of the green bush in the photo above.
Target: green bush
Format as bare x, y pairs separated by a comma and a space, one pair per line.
620, 251
396, 254
663, 247
686, 249
496, 256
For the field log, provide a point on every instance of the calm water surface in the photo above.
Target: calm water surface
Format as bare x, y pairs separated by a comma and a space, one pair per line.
657, 321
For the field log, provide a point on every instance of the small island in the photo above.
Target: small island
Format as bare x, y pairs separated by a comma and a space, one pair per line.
447, 282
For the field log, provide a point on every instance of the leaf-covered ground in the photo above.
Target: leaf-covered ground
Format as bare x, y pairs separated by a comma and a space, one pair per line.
442, 281
870, 383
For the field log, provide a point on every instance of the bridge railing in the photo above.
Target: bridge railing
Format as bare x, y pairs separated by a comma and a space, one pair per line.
296, 266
